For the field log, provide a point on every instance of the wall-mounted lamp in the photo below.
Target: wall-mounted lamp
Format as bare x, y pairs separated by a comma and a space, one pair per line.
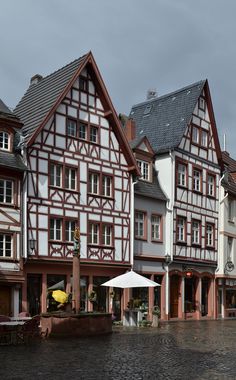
167, 259
32, 244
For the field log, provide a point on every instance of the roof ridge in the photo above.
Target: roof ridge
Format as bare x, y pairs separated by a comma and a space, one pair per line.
170, 93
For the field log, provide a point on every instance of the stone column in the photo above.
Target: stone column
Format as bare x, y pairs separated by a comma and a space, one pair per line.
44, 293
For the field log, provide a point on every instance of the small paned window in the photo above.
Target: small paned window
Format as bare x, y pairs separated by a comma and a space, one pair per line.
69, 229
4, 140
106, 186
56, 229
204, 139
210, 235
82, 131
181, 230
139, 224
6, 245
94, 134
94, 233
195, 135
196, 232
211, 185
230, 209
182, 175
83, 84
55, 175
107, 235
144, 169
6, 191
71, 128
197, 177
70, 178
156, 227
94, 183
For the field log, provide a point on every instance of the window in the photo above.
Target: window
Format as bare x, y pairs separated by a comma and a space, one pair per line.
94, 134
156, 227
202, 104
100, 184
5, 245
82, 131
56, 229
230, 209
181, 229
197, 180
144, 169
204, 139
196, 232
6, 191
182, 174
140, 225
106, 234
4, 140
71, 128
70, 179
55, 175
93, 233
70, 228
210, 185
93, 183
209, 235
83, 84
106, 186
195, 135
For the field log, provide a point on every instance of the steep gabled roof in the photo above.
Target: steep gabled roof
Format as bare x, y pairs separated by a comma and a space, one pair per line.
42, 99
168, 116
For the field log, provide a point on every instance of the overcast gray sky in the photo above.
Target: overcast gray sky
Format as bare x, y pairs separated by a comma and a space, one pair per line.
137, 44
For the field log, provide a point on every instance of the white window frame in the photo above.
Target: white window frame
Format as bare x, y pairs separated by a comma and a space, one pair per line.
156, 224
71, 126
139, 224
204, 138
107, 234
182, 174
4, 189
181, 229
211, 185
83, 130
70, 178
195, 135
4, 244
209, 235
69, 230
197, 180
4, 140
144, 168
196, 232
106, 185
57, 227
93, 135
94, 233
94, 183
55, 176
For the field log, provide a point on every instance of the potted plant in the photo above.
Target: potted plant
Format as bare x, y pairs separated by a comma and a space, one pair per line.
156, 313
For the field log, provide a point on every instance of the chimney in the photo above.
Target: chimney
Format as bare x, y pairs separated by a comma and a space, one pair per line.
130, 129
36, 79
151, 94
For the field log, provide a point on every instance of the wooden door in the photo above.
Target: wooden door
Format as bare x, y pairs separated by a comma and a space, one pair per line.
5, 300
174, 296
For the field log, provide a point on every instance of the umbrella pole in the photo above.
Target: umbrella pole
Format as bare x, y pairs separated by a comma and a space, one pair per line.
76, 272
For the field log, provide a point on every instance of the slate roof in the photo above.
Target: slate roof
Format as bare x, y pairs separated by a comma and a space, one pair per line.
229, 180
150, 189
12, 161
41, 97
169, 116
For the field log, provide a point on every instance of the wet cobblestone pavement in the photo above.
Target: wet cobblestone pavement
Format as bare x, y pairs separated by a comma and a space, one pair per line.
179, 350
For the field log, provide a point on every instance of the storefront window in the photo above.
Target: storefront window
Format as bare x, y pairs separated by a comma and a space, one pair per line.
231, 298
140, 296
101, 303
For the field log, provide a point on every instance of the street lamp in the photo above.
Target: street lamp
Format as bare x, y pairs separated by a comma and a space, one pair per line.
76, 272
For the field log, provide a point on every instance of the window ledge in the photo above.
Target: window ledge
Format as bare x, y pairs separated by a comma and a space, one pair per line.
184, 243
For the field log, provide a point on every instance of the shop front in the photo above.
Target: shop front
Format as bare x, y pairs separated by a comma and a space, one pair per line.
226, 298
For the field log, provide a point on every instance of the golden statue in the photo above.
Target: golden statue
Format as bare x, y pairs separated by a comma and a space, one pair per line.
77, 234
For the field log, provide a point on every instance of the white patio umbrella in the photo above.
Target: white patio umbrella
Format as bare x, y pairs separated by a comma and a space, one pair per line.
130, 280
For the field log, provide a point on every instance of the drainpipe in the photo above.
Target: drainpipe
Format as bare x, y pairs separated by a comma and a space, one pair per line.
133, 183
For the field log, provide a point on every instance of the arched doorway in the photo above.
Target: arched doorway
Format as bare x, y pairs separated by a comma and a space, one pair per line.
190, 291
205, 295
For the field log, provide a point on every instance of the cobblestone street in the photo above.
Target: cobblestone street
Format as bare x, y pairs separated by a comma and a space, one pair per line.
179, 350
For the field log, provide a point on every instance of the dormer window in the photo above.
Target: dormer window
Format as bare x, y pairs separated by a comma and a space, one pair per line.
4, 140
144, 168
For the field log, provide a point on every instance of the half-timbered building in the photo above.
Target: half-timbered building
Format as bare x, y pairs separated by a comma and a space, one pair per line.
226, 271
181, 129
80, 174
12, 174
